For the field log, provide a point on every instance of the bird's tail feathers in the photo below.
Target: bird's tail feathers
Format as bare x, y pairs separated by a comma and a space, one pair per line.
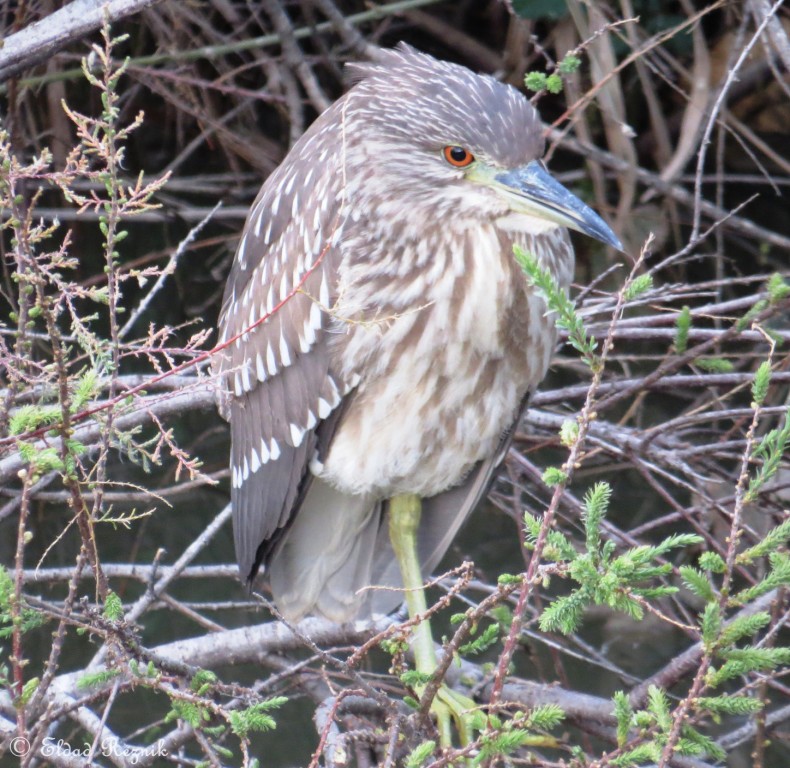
326, 555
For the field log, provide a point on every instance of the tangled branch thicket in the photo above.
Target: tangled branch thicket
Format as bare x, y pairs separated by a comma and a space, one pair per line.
641, 519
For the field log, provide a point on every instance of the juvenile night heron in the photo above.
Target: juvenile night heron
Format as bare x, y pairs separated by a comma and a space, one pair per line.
401, 338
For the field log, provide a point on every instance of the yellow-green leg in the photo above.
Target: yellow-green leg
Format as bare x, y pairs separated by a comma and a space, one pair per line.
448, 705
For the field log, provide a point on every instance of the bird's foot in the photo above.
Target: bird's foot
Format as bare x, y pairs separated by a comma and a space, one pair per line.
450, 707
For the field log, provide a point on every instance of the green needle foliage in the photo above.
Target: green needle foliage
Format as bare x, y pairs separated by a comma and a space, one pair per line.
642, 735
414, 678
762, 380
113, 607
256, 717
624, 715
501, 739
604, 578
26, 618
626, 581
771, 542
98, 679
553, 83
770, 450
193, 713
714, 364
639, 285
558, 302
682, 328
488, 637
777, 290
420, 754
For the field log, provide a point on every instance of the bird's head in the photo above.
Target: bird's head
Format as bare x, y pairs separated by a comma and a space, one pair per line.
464, 146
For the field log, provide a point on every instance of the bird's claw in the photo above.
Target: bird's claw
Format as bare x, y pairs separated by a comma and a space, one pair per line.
448, 707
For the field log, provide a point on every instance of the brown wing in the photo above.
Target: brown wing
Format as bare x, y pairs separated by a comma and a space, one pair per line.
279, 386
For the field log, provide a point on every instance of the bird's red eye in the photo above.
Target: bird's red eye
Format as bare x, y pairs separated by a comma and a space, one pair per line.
460, 157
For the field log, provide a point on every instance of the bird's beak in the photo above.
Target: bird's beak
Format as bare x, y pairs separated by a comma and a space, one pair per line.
532, 190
